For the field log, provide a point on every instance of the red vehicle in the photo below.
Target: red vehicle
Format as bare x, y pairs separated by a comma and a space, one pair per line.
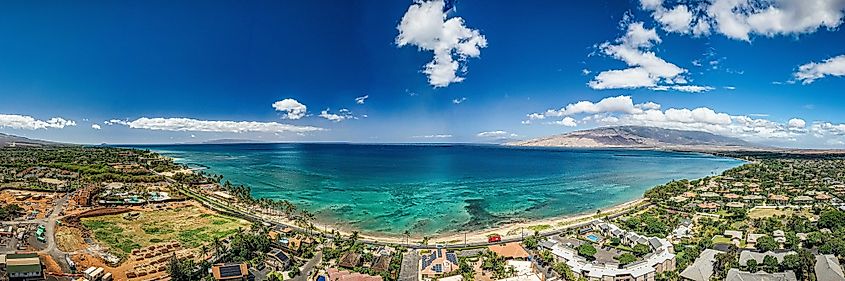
494, 238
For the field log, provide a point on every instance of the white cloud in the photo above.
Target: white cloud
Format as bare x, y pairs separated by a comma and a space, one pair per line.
426, 26
796, 123
740, 19
646, 69
566, 121
96, 126
496, 134
438, 136
678, 19
809, 72
293, 109
194, 125
610, 104
622, 110
691, 88
341, 115
361, 99
29, 123
459, 100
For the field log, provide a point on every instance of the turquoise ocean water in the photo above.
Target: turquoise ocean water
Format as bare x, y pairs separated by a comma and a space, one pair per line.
440, 189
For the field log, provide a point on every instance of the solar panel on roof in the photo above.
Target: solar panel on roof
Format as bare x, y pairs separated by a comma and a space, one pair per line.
230, 270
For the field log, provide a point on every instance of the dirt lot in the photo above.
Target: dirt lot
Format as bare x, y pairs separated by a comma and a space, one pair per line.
69, 239
31, 201
758, 212
146, 237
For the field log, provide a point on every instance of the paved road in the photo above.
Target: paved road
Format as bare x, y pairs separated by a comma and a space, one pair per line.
309, 267
410, 267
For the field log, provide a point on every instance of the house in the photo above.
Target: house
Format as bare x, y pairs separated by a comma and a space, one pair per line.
737, 275
745, 256
343, 275
733, 234
751, 240
779, 236
349, 260
438, 263
827, 268
24, 267
708, 207
702, 268
803, 200
779, 199
523, 271
381, 264
230, 271
278, 260
510, 250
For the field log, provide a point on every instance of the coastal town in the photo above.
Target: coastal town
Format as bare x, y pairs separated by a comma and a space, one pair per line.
101, 213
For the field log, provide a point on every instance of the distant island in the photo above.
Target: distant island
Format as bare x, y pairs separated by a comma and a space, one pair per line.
642, 137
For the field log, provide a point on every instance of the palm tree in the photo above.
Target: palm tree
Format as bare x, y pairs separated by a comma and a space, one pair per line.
407, 236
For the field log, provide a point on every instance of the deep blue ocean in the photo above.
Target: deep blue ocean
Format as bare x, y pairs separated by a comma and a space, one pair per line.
439, 189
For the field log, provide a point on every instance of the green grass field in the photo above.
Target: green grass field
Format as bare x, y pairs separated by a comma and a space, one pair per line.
191, 226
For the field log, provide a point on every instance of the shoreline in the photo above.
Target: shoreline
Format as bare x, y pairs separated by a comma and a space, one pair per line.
507, 231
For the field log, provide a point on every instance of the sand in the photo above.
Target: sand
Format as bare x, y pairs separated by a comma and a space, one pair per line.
513, 230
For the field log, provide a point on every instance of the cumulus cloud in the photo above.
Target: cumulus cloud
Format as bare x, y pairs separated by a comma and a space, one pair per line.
459, 100
194, 125
645, 68
361, 99
809, 72
341, 115
426, 26
797, 123
566, 121
292, 108
611, 104
96, 126
622, 110
26, 122
740, 19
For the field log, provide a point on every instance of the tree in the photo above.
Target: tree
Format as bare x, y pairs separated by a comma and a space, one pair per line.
641, 250
531, 242
625, 258
564, 271
771, 264
587, 251
546, 257
766, 243
181, 269
615, 241
832, 219
751, 265
467, 272
791, 262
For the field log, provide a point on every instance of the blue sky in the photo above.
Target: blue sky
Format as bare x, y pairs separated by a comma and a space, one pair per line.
498, 70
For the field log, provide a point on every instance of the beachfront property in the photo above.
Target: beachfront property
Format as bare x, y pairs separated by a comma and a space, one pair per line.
661, 258
230, 272
438, 263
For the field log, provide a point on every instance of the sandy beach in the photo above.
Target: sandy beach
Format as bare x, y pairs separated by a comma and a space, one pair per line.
507, 231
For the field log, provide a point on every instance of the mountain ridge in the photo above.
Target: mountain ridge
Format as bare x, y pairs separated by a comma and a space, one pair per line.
640, 137
12, 140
